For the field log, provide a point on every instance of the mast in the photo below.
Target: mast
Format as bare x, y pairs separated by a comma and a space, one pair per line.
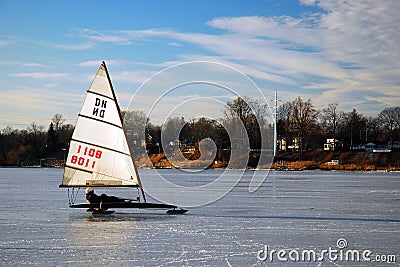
103, 63
276, 122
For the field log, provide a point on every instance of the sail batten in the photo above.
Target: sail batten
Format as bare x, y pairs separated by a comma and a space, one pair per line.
99, 154
91, 118
103, 147
78, 169
96, 93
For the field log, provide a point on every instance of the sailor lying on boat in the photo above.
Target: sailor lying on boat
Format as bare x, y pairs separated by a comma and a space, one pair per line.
103, 198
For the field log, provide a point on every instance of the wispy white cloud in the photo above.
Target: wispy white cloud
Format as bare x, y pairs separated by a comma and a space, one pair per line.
18, 63
362, 32
253, 51
135, 77
27, 105
347, 49
96, 63
254, 70
308, 2
6, 42
348, 52
73, 47
188, 106
112, 62
175, 44
41, 75
283, 31
102, 37
78, 46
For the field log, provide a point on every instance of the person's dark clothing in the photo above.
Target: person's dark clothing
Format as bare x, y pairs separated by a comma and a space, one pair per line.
93, 198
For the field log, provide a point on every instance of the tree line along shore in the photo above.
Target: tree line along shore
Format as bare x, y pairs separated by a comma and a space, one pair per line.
315, 160
307, 138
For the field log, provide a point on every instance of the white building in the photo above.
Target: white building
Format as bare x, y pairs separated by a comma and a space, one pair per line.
331, 144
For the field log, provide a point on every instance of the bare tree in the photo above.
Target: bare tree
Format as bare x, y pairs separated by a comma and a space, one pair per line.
253, 114
8, 130
304, 117
36, 138
390, 120
331, 118
285, 122
372, 128
57, 121
239, 108
134, 126
35, 128
353, 127
170, 132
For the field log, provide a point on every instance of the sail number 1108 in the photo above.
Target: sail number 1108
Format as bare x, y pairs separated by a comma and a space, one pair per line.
90, 159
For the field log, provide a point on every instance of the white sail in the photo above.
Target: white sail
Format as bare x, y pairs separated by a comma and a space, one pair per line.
99, 154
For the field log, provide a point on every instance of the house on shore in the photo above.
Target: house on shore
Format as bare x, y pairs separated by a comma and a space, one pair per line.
331, 144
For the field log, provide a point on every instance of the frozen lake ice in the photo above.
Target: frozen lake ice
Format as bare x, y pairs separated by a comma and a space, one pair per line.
291, 212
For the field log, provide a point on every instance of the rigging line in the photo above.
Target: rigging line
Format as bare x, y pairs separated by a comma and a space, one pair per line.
173, 200
76, 195
138, 193
72, 196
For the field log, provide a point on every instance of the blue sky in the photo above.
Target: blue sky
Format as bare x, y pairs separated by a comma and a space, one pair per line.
330, 51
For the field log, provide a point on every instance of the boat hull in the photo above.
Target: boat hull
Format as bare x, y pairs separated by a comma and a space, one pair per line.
122, 205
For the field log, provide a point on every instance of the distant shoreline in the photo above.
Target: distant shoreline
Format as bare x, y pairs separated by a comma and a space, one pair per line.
247, 169
313, 160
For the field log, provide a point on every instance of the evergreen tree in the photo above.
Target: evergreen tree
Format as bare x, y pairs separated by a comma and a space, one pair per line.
52, 145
